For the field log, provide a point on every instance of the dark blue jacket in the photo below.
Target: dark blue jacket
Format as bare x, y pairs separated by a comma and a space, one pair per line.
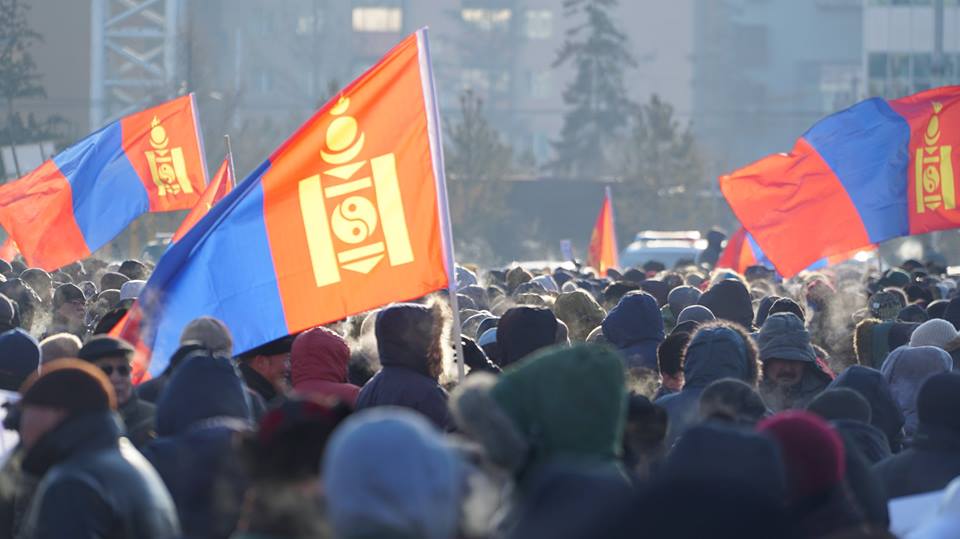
713, 354
407, 347
635, 327
199, 415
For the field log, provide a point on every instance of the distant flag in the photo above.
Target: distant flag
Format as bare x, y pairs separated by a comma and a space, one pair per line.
602, 252
875, 171
220, 185
742, 251
9, 251
86, 195
349, 214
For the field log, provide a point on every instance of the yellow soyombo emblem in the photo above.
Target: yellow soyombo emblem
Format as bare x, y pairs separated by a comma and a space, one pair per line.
352, 217
934, 169
167, 166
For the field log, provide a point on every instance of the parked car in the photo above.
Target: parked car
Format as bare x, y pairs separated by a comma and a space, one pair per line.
668, 248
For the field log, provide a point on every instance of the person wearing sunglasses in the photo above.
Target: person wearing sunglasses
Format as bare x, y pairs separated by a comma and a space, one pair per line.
114, 357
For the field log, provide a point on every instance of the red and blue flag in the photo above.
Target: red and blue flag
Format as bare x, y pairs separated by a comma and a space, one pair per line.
875, 171
742, 251
347, 215
86, 195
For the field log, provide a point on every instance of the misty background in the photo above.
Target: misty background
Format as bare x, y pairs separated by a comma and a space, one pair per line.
543, 102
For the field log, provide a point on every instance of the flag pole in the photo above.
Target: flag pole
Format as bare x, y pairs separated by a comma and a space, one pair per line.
233, 171
443, 204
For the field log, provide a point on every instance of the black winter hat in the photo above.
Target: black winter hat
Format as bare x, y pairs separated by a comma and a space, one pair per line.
66, 293
103, 346
134, 270
787, 305
730, 300
938, 401
112, 281
841, 403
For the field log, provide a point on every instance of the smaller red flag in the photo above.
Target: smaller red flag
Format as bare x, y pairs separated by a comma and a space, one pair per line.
602, 253
221, 185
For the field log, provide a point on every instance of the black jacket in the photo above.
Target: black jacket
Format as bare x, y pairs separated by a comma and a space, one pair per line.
930, 464
260, 385
95, 484
139, 417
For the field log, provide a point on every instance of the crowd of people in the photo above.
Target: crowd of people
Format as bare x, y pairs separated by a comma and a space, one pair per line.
685, 402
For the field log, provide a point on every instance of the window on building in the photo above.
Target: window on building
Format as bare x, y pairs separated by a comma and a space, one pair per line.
877, 65
264, 81
750, 44
539, 24
477, 80
377, 19
839, 86
487, 19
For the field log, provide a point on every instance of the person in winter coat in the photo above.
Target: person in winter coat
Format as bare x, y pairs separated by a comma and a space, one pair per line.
732, 402
94, 483
114, 357
717, 350
850, 414
562, 406
388, 473
410, 343
635, 328
201, 416
318, 366
266, 369
873, 340
814, 460
283, 499
885, 413
864, 445
729, 299
905, 369
792, 375
933, 460
524, 330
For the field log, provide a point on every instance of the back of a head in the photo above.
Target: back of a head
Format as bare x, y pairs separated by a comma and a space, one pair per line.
636, 318
936, 332
59, 346
292, 436
841, 403
717, 350
787, 305
670, 353
409, 335
19, 358
938, 402
524, 330
695, 313
912, 365
319, 351
72, 385
729, 299
112, 281
387, 473
134, 270
722, 453
211, 333
682, 297
580, 312
202, 388
733, 401
813, 453
8, 314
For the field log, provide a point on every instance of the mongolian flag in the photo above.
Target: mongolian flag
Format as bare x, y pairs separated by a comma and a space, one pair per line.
349, 214
876, 171
742, 251
86, 195
220, 185
602, 252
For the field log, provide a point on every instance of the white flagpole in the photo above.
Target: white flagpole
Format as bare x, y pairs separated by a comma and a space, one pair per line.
233, 171
443, 205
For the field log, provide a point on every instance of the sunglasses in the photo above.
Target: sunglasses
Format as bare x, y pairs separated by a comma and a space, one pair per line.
122, 370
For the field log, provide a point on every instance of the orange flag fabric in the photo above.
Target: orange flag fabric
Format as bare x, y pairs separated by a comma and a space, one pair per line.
602, 253
219, 187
